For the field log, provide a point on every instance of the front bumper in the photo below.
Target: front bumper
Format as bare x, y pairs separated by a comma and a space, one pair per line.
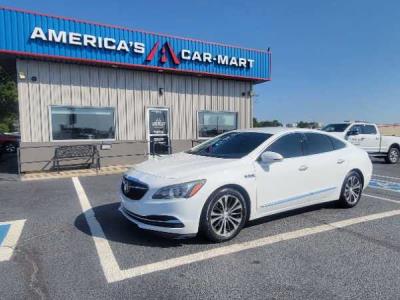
172, 216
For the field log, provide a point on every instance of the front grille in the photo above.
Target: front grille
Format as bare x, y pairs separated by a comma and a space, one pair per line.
133, 188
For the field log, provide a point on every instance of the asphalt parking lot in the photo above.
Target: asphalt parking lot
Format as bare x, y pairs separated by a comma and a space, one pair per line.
72, 243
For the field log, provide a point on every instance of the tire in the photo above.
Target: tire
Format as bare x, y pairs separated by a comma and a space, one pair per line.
393, 155
224, 215
351, 191
10, 148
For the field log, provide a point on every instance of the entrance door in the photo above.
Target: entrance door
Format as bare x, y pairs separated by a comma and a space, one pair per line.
158, 131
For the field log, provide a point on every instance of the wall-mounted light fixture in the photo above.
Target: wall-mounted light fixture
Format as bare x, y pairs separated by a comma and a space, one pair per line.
34, 78
21, 75
161, 91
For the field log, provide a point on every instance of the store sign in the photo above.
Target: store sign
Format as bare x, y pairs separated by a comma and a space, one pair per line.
36, 35
87, 40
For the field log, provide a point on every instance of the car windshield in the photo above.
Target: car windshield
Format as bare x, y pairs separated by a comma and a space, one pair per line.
231, 145
336, 127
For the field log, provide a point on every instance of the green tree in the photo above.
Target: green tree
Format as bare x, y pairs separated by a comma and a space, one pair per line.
303, 124
274, 123
8, 102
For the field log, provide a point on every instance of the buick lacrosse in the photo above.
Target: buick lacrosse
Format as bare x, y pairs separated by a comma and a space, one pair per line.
219, 185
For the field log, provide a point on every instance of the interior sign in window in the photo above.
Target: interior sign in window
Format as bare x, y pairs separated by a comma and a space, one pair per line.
158, 121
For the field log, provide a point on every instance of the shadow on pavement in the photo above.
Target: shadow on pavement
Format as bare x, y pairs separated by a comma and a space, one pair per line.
117, 229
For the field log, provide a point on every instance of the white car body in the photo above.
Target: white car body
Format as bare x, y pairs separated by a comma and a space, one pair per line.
285, 185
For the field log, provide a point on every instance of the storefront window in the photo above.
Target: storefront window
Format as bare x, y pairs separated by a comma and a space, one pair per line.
214, 123
82, 123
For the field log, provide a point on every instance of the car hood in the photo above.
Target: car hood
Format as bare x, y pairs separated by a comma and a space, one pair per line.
181, 165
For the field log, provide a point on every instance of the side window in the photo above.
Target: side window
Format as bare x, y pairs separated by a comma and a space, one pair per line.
317, 143
369, 129
290, 145
357, 128
337, 144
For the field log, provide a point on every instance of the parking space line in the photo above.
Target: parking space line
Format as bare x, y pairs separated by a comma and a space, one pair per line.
107, 259
383, 176
113, 273
381, 198
10, 238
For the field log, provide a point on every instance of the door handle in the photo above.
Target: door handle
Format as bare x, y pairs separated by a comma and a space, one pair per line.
303, 168
340, 161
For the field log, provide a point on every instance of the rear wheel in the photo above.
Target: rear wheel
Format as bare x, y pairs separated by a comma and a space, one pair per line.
393, 155
351, 190
10, 148
224, 215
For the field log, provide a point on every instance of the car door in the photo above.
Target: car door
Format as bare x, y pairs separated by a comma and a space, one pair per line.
327, 166
353, 135
282, 184
370, 139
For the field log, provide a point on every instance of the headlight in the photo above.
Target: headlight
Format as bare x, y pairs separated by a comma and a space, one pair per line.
182, 190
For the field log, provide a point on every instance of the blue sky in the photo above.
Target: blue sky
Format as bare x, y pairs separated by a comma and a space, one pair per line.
332, 60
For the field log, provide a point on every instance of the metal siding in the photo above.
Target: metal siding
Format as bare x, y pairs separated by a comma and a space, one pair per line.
16, 28
23, 101
129, 92
45, 98
34, 98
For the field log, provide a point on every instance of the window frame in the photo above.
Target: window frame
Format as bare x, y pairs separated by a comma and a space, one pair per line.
85, 107
214, 111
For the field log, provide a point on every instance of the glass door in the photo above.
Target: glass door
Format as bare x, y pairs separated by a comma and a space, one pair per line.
158, 131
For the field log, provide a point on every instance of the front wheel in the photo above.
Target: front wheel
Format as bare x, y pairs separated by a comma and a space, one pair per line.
224, 215
393, 155
351, 190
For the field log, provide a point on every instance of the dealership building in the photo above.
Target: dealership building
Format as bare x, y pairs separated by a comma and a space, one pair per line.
132, 93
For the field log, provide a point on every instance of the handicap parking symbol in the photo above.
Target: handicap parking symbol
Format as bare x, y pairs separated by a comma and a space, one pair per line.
384, 185
9, 234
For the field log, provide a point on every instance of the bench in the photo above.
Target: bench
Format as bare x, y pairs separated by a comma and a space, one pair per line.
76, 152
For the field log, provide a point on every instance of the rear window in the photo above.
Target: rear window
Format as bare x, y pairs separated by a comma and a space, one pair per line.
316, 143
369, 129
340, 127
337, 144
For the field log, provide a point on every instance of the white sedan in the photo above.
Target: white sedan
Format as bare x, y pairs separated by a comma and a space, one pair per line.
219, 185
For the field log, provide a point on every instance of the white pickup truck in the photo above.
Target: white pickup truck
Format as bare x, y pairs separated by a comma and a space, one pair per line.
368, 137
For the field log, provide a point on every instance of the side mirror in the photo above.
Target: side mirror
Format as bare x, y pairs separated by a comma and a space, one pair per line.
269, 157
353, 132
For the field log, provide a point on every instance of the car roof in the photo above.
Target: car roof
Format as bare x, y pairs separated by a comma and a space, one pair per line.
277, 130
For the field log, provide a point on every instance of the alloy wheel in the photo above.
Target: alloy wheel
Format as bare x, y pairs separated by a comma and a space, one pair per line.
353, 189
226, 215
394, 155
10, 148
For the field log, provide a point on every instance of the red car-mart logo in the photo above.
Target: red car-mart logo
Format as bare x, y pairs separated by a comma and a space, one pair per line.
165, 51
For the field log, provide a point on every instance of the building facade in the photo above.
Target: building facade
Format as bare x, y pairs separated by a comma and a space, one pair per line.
133, 93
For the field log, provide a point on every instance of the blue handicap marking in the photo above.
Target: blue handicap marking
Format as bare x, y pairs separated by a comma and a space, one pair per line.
10, 231
4, 228
384, 185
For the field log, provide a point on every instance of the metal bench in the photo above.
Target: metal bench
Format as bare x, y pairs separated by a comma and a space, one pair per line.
76, 152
